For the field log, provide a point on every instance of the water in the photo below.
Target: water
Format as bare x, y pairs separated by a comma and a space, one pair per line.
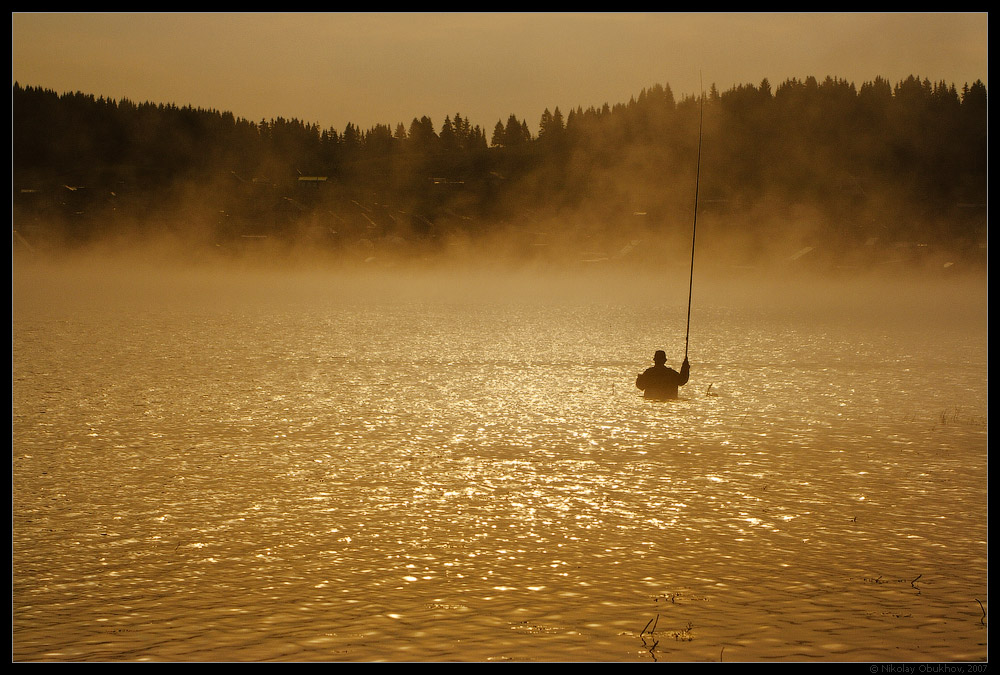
309, 467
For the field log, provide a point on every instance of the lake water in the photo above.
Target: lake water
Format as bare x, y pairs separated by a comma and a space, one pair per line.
402, 466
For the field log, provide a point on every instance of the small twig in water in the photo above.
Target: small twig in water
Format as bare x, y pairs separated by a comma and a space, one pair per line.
981, 609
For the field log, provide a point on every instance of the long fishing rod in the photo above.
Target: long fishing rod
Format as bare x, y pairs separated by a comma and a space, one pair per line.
694, 229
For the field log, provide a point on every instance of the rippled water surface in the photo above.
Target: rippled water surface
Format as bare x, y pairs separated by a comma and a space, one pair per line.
429, 467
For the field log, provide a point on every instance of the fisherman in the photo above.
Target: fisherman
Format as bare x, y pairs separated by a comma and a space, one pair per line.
660, 382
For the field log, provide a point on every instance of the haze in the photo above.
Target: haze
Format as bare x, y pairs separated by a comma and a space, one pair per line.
304, 369
332, 69
366, 69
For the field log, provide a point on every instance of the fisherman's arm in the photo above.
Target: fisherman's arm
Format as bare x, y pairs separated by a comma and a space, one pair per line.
685, 372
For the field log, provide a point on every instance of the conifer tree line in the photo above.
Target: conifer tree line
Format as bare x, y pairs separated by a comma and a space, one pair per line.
905, 160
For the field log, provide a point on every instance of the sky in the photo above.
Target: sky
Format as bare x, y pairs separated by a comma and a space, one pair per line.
332, 69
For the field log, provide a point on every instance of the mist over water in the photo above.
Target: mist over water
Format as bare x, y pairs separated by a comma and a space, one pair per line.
408, 458
299, 394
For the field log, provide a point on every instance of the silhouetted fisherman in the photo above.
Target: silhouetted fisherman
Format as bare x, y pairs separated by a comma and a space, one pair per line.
660, 382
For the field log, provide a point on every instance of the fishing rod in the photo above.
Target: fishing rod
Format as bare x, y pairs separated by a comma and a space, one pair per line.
694, 229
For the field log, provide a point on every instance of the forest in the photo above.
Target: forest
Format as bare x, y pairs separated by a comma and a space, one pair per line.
869, 172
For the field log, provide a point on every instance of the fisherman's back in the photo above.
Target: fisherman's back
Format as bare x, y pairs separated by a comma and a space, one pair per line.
659, 382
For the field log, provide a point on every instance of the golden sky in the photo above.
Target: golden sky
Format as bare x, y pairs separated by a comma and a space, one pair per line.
373, 68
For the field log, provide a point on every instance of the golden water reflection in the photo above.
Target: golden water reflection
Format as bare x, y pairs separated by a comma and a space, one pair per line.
388, 481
